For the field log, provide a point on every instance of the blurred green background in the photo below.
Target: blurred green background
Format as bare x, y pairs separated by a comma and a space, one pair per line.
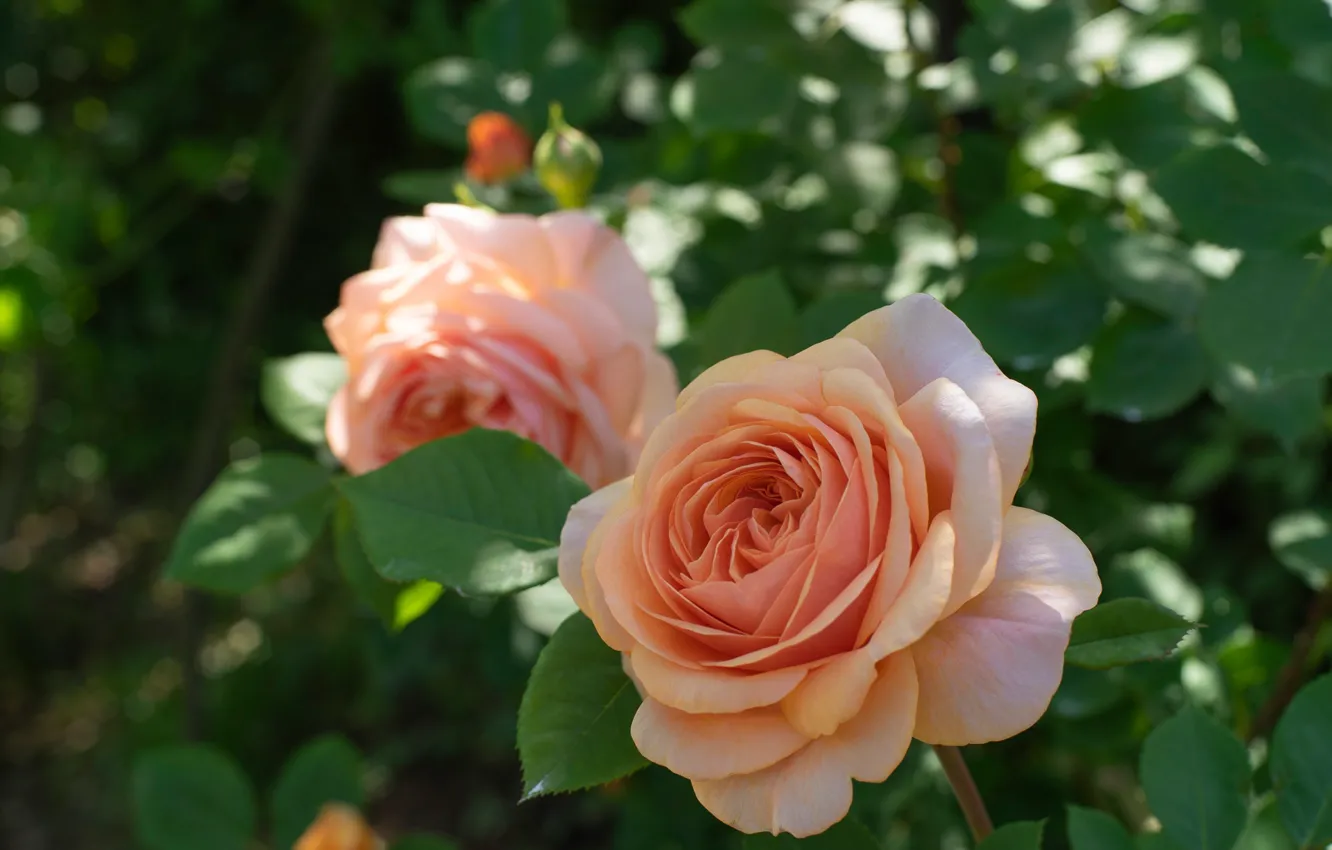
1123, 199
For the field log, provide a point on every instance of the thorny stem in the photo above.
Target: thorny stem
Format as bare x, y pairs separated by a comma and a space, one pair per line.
964, 788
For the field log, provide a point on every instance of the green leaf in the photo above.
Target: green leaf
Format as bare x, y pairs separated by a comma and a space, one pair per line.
740, 93
356, 568
1271, 317
421, 187
480, 512
1302, 542
423, 842
1089, 829
846, 834
578, 79
326, 770
1290, 118
443, 96
1149, 126
191, 797
1145, 368
1195, 774
1028, 315
258, 519
573, 724
1225, 196
1125, 631
513, 35
862, 176
1019, 835
1149, 269
736, 23
829, 315
754, 313
1302, 764
414, 601
1290, 410
296, 392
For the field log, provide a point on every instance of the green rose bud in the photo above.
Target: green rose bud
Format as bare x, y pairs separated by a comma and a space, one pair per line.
567, 161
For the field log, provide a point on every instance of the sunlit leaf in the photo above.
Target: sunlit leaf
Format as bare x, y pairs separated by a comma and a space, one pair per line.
480, 512
573, 724
257, 520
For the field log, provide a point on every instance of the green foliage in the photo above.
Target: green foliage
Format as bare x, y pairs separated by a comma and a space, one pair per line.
1270, 317
480, 512
423, 842
1019, 835
194, 796
756, 313
1303, 542
326, 770
296, 392
849, 834
1302, 765
259, 519
1196, 775
1125, 631
357, 571
1145, 368
1224, 195
573, 725
1089, 829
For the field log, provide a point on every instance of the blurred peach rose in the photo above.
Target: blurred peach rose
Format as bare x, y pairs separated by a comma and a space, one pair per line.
817, 560
540, 326
339, 827
498, 149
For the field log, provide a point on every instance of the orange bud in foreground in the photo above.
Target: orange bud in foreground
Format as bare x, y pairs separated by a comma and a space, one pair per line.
499, 149
339, 827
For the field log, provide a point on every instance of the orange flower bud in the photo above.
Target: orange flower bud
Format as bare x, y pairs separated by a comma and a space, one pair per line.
339, 827
500, 149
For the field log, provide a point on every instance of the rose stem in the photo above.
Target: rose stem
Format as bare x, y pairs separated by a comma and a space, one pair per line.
1297, 669
964, 788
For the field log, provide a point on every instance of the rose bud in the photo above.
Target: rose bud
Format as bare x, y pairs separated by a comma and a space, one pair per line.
499, 149
567, 161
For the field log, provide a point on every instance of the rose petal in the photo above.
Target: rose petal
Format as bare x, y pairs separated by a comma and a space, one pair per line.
578, 527
713, 746
337, 430
989, 671
857, 392
918, 340
590, 256
709, 691
406, 239
897, 558
830, 695
515, 241
924, 595
732, 370
962, 472
810, 791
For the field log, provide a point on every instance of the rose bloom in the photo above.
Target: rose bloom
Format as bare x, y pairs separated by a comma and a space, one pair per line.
540, 326
339, 827
817, 560
498, 149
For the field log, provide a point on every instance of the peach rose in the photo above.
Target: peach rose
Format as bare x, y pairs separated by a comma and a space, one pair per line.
817, 559
540, 326
339, 827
